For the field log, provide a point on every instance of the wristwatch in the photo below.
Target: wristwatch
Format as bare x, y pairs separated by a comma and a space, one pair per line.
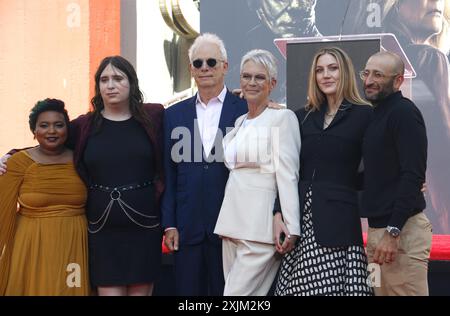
393, 231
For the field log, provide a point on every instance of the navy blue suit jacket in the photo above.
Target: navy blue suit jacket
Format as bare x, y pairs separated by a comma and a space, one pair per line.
195, 184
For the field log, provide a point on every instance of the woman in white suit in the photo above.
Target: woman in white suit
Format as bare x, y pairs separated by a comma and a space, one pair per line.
262, 153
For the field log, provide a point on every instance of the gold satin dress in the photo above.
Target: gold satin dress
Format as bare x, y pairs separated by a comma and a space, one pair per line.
43, 243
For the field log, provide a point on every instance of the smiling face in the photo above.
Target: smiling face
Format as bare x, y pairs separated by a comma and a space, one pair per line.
381, 80
327, 74
51, 130
256, 83
114, 87
209, 77
424, 18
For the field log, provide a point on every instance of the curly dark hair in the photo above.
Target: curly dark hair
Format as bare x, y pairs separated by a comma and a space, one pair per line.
136, 96
45, 106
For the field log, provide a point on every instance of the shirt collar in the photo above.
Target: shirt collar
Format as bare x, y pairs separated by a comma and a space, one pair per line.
220, 97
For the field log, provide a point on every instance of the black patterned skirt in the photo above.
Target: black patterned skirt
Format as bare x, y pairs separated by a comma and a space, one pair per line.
310, 269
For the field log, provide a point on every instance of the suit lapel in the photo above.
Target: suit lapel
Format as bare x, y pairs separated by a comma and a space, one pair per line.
232, 133
229, 136
341, 113
190, 117
190, 114
227, 118
319, 116
228, 115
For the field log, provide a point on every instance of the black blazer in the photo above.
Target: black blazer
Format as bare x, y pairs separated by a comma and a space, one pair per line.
329, 161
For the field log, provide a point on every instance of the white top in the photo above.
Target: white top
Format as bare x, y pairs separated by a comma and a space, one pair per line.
231, 153
208, 117
231, 148
247, 122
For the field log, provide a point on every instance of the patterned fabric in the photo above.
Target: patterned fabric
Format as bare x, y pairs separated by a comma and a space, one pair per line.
310, 269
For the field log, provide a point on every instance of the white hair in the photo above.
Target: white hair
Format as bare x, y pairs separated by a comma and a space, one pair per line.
262, 57
211, 39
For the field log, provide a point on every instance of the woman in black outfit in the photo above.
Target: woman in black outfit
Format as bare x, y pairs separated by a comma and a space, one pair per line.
118, 154
329, 258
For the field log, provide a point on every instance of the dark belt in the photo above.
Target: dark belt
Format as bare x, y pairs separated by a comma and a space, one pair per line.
122, 188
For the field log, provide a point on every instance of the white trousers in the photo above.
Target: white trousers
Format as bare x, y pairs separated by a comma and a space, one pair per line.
249, 267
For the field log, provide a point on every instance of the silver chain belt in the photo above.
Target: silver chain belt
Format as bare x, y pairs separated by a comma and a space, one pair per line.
115, 194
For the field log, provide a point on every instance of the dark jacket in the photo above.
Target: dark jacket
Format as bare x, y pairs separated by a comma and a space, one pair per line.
329, 161
195, 187
81, 128
395, 161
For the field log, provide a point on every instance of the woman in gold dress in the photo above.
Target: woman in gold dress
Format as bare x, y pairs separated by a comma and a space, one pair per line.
43, 232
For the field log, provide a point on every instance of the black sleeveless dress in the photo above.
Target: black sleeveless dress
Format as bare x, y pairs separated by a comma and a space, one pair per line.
124, 232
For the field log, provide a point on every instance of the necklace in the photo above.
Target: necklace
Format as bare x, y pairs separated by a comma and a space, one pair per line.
331, 114
328, 119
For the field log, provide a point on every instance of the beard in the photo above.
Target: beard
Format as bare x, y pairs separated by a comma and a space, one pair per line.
385, 90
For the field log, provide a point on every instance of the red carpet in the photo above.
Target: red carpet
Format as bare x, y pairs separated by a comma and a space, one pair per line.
440, 248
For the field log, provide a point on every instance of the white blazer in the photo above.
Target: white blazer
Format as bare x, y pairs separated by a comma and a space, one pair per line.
267, 159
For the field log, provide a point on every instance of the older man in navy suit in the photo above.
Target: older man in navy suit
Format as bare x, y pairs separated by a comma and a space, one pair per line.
194, 170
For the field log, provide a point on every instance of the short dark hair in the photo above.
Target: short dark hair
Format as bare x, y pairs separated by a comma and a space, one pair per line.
45, 106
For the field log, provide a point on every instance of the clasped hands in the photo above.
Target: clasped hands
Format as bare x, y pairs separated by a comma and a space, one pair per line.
284, 241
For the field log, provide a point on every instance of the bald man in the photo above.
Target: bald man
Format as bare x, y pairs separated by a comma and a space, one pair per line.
395, 156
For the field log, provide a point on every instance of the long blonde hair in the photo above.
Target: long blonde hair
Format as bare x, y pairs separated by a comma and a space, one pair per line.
346, 89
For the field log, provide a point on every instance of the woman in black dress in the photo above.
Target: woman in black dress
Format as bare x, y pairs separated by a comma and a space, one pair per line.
329, 257
118, 153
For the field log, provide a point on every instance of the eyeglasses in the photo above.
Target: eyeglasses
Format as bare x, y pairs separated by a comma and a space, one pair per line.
377, 76
259, 79
211, 62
